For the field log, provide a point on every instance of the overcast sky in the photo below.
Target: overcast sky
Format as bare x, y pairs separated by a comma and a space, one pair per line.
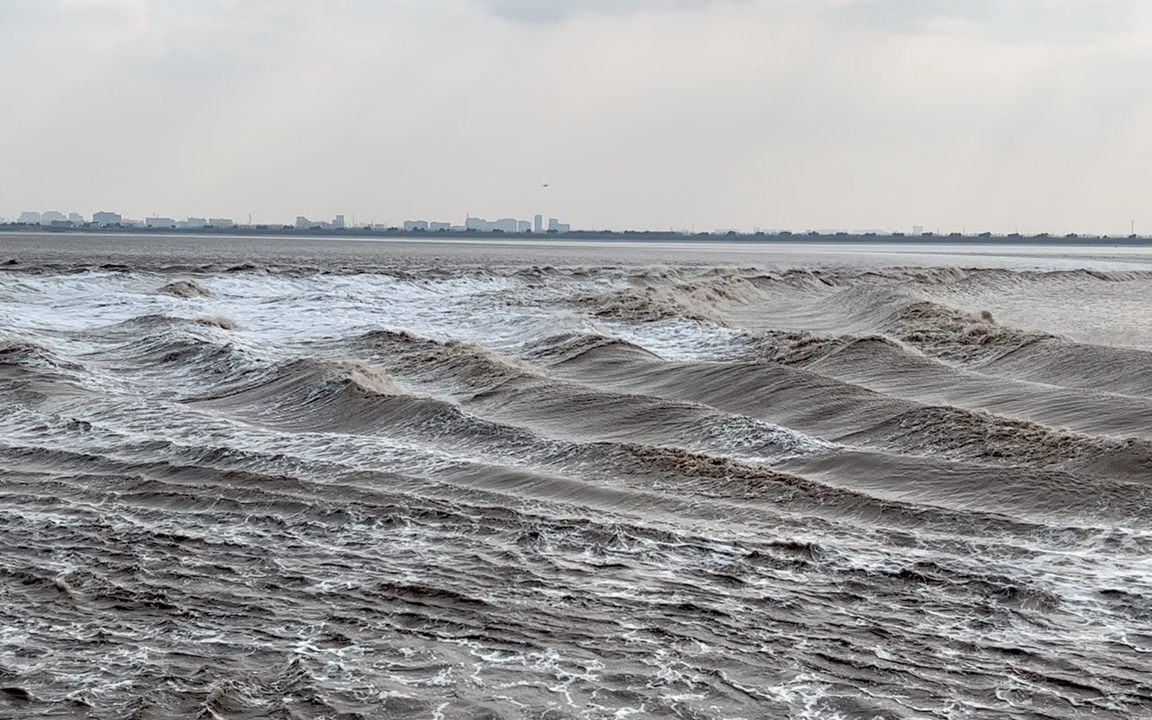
792, 114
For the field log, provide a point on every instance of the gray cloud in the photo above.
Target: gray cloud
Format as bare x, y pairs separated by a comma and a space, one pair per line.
1007, 19
1056, 20
777, 113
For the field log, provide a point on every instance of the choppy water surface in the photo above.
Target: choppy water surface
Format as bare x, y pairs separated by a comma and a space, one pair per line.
266, 480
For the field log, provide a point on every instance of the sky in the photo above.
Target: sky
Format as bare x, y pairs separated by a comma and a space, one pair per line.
956, 115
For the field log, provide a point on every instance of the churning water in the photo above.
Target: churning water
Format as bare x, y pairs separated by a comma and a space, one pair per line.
278, 479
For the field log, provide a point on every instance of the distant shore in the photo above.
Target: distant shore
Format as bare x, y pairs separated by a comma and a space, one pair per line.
601, 235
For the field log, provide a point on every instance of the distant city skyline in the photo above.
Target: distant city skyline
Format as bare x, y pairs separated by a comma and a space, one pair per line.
504, 225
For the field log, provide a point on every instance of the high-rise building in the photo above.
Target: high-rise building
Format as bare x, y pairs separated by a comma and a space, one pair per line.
538, 224
303, 223
104, 219
338, 223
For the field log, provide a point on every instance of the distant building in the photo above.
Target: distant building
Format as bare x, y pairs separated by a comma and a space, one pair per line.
29, 218
193, 223
160, 222
538, 224
917, 230
505, 225
303, 223
411, 225
221, 222
478, 224
106, 218
52, 217
338, 223
555, 225
76, 218
439, 226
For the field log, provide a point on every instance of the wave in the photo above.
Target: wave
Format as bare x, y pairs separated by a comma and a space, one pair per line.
850, 414
934, 329
26, 354
158, 322
1120, 370
182, 356
186, 289
1020, 494
959, 433
804, 348
306, 382
896, 369
959, 337
787, 396
650, 303
453, 365
705, 298
571, 347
